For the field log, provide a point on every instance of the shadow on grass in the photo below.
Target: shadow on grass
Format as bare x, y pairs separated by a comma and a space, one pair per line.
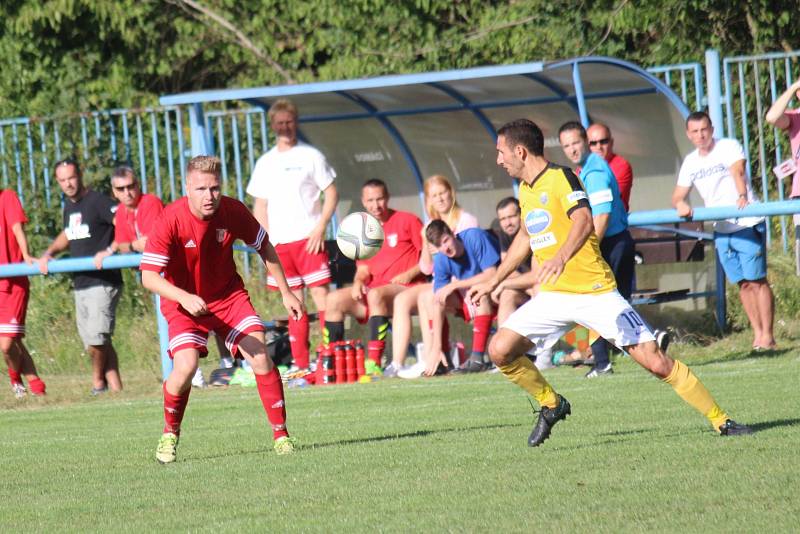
766, 425
743, 355
354, 441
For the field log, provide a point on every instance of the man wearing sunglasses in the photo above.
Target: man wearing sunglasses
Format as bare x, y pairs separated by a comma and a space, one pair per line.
601, 143
136, 212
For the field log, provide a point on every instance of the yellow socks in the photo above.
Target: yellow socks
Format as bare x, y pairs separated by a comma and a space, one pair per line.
524, 374
690, 389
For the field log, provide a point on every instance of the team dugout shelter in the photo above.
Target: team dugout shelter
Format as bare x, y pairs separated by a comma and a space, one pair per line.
404, 128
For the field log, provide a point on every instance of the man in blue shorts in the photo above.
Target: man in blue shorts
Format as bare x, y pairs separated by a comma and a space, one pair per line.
465, 259
610, 222
716, 168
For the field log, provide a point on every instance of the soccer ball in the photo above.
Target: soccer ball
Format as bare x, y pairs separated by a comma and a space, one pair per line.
360, 236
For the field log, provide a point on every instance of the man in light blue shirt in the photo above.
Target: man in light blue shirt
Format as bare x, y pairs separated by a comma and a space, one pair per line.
610, 222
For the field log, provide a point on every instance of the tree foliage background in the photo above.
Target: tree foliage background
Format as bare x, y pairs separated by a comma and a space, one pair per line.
78, 55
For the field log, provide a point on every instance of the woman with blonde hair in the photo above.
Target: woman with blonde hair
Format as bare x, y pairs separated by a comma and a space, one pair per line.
440, 203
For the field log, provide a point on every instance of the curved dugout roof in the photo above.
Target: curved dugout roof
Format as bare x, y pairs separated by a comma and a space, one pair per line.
404, 128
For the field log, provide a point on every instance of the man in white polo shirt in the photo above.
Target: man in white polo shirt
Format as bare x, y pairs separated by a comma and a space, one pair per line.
286, 184
717, 169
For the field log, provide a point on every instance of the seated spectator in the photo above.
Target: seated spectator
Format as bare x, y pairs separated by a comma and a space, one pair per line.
440, 204
515, 290
467, 258
601, 142
379, 279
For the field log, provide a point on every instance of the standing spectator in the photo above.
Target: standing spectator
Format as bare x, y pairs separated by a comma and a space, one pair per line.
717, 169
89, 231
286, 183
440, 204
14, 293
610, 223
464, 259
133, 222
379, 279
576, 285
789, 121
602, 143
192, 244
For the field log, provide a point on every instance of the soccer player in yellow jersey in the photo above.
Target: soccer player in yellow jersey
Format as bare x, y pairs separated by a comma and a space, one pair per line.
576, 286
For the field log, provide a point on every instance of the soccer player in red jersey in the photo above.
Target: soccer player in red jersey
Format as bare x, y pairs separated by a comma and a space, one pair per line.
192, 245
379, 279
14, 297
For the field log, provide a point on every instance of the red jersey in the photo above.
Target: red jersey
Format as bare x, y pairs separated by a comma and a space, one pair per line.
624, 175
130, 225
196, 255
11, 213
402, 243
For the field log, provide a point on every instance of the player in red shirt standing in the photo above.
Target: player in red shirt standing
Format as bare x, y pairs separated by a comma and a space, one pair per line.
14, 297
379, 279
192, 245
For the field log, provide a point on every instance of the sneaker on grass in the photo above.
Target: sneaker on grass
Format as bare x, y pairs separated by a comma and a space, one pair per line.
19, 390
390, 371
166, 452
198, 380
414, 371
284, 445
600, 371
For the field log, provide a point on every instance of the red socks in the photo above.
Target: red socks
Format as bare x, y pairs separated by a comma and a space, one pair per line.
270, 389
14, 376
298, 340
375, 351
174, 406
480, 333
37, 387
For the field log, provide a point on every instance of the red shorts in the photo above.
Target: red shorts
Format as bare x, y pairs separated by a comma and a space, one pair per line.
13, 308
301, 268
231, 319
468, 311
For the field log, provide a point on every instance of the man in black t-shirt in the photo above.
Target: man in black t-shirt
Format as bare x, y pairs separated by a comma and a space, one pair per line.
515, 290
89, 231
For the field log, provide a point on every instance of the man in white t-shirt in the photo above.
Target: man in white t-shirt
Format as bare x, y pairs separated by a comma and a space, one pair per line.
286, 184
717, 170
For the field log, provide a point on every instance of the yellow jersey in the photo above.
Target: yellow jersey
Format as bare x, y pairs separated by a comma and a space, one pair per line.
546, 206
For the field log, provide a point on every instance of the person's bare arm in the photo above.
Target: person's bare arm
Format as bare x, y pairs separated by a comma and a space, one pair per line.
738, 172
260, 212
190, 302
580, 230
600, 224
679, 196
292, 304
19, 233
316, 240
776, 115
59, 243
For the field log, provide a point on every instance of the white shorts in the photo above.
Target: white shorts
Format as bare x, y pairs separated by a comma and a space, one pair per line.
549, 315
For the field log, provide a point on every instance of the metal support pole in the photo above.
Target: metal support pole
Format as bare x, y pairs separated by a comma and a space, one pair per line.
579, 99
714, 92
163, 339
199, 130
722, 304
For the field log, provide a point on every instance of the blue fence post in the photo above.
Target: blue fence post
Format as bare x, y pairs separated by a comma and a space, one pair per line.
722, 303
714, 91
163, 339
197, 123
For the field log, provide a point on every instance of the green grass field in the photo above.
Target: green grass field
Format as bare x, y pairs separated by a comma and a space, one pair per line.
445, 454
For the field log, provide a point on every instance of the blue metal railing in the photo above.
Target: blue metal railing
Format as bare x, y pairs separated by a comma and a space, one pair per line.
645, 218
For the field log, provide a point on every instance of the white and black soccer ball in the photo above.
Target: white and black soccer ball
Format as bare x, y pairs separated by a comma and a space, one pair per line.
360, 236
